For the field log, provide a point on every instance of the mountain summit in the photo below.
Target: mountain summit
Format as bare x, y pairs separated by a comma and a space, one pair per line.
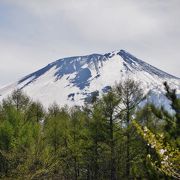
74, 80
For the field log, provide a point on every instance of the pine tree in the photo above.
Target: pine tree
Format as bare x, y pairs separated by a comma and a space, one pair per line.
35, 112
131, 95
110, 103
97, 148
173, 125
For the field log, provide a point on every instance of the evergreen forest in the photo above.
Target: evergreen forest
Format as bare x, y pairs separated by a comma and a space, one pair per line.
112, 137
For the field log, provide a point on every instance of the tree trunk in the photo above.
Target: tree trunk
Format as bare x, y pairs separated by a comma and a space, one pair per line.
113, 170
128, 139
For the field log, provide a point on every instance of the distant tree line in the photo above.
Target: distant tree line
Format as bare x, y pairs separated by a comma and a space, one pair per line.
109, 139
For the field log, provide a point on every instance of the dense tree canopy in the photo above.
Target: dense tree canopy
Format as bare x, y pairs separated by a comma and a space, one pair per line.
111, 138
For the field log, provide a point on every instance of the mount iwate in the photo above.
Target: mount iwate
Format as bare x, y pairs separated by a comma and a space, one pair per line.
73, 80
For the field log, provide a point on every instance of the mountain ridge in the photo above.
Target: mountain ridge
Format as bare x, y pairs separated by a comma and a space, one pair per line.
121, 53
74, 79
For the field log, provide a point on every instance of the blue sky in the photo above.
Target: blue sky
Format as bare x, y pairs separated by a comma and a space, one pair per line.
34, 33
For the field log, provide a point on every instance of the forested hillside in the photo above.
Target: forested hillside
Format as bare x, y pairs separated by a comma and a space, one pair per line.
111, 138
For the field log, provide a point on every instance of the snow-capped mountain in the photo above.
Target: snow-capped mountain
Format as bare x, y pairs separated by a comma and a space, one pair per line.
74, 80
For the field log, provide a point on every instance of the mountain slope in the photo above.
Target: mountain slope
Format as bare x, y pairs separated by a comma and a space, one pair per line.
73, 80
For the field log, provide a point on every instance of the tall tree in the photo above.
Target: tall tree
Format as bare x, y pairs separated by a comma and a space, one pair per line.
18, 99
110, 103
131, 95
173, 126
35, 112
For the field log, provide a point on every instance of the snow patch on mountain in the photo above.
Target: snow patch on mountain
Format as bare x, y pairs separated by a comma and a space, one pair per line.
74, 80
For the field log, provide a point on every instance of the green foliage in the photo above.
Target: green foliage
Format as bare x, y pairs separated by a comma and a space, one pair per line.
168, 161
173, 123
96, 142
